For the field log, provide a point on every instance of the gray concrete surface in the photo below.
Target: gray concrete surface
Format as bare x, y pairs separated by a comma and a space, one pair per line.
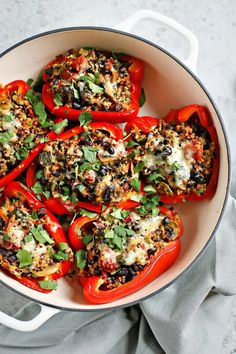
212, 21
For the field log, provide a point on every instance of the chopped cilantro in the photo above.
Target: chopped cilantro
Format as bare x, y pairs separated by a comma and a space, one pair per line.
176, 166
149, 189
47, 194
30, 81
109, 234
5, 237
85, 118
155, 177
90, 214
135, 183
139, 167
131, 143
87, 239
59, 256
57, 99
117, 213
28, 238
22, 153
57, 127
24, 258
80, 257
5, 137
95, 88
41, 235
90, 154
37, 188
38, 107
48, 284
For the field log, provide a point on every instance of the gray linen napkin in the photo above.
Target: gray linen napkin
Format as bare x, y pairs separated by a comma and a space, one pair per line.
192, 316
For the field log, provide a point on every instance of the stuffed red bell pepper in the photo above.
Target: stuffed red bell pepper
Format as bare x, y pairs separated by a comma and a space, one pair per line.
22, 129
120, 251
33, 245
177, 155
86, 167
96, 81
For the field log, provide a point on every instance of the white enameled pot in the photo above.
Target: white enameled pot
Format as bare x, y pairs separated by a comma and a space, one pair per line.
168, 83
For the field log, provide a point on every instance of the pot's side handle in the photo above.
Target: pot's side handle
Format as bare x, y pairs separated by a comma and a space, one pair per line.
128, 23
28, 326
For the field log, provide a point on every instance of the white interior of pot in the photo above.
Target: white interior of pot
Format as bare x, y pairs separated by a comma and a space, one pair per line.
167, 85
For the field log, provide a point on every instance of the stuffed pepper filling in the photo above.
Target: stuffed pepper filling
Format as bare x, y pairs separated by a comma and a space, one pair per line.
175, 158
118, 249
90, 79
91, 168
26, 248
19, 130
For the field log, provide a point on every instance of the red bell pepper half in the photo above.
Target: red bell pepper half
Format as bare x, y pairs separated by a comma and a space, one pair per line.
146, 124
21, 87
53, 227
136, 73
159, 263
60, 207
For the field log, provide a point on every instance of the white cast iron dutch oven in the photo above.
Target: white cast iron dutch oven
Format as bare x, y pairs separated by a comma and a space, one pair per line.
168, 84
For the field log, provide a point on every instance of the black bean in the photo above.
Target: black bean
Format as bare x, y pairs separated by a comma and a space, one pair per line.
41, 212
108, 148
103, 171
76, 105
56, 173
152, 251
4, 252
97, 52
169, 232
12, 258
2, 223
135, 225
107, 193
167, 151
122, 272
85, 142
166, 221
99, 141
122, 69
97, 272
198, 178
55, 82
49, 71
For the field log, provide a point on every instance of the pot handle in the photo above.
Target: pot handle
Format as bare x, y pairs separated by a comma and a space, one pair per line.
31, 325
128, 23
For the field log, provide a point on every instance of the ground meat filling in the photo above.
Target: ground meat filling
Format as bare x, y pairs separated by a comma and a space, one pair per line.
19, 131
175, 158
91, 168
90, 79
26, 248
118, 249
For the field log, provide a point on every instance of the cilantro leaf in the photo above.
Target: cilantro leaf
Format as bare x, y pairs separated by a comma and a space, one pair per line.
90, 154
117, 213
138, 168
5, 137
135, 183
131, 143
24, 258
57, 127
37, 188
87, 239
48, 284
80, 257
95, 88
22, 153
90, 214
149, 189
62, 246
57, 99
85, 118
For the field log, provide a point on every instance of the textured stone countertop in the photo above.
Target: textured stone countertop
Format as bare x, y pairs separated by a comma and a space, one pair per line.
212, 21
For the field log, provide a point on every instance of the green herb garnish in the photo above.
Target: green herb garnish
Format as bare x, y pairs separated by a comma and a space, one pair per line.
135, 183
24, 258
85, 118
62, 246
87, 239
57, 99
80, 257
90, 154
90, 214
57, 127
48, 284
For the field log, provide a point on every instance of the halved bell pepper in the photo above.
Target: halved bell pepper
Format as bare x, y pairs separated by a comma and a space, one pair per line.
136, 73
159, 263
21, 87
53, 227
146, 124
60, 207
